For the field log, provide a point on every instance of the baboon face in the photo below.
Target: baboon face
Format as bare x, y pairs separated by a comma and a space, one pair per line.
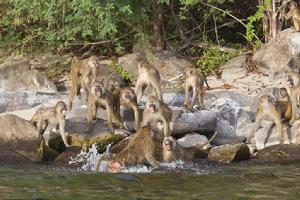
292, 79
293, 5
153, 103
61, 107
128, 95
98, 90
93, 62
283, 92
169, 143
271, 99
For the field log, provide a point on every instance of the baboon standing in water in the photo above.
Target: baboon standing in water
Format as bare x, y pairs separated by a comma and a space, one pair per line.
148, 77
140, 150
87, 70
193, 82
51, 116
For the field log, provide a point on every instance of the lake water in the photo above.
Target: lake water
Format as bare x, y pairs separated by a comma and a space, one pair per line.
198, 182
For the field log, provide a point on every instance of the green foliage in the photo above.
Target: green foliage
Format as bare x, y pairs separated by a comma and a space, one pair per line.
212, 58
125, 75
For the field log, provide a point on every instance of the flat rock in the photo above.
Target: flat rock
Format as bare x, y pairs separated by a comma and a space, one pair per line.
280, 154
15, 75
229, 153
17, 134
64, 158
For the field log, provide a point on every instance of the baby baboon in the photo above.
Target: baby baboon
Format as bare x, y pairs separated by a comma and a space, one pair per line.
140, 150
157, 111
172, 151
87, 70
272, 109
294, 13
100, 96
148, 77
51, 116
193, 82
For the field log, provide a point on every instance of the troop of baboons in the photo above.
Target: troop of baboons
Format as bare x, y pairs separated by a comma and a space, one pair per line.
141, 147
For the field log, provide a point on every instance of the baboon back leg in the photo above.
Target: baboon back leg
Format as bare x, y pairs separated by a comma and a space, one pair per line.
258, 119
201, 96
74, 87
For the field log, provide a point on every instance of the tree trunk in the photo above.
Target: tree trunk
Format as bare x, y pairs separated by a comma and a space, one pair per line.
179, 25
158, 27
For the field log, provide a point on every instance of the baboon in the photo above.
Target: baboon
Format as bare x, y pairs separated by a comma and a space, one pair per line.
193, 82
52, 117
172, 151
87, 70
140, 150
157, 111
294, 13
294, 86
148, 77
124, 96
100, 96
272, 109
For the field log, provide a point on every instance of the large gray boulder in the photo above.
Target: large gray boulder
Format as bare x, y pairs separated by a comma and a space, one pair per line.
233, 121
165, 62
19, 136
192, 139
277, 53
15, 75
10, 101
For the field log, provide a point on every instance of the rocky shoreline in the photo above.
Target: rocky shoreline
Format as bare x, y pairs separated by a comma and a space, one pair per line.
230, 108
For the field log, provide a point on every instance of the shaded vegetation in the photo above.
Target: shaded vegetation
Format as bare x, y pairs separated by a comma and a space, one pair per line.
115, 27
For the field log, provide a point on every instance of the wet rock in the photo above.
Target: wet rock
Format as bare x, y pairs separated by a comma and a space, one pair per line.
268, 134
50, 154
229, 153
16, 76
277, 53
80, 134
9, 157
280, 154
18, 135
191, 139
63, 160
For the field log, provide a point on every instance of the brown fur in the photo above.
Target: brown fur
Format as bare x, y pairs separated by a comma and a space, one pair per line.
294, 14
172, 151
293, 81
193, 82
157, 110
86, 69
100, 96
148, 77
140, 150
272, 109
52, 116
